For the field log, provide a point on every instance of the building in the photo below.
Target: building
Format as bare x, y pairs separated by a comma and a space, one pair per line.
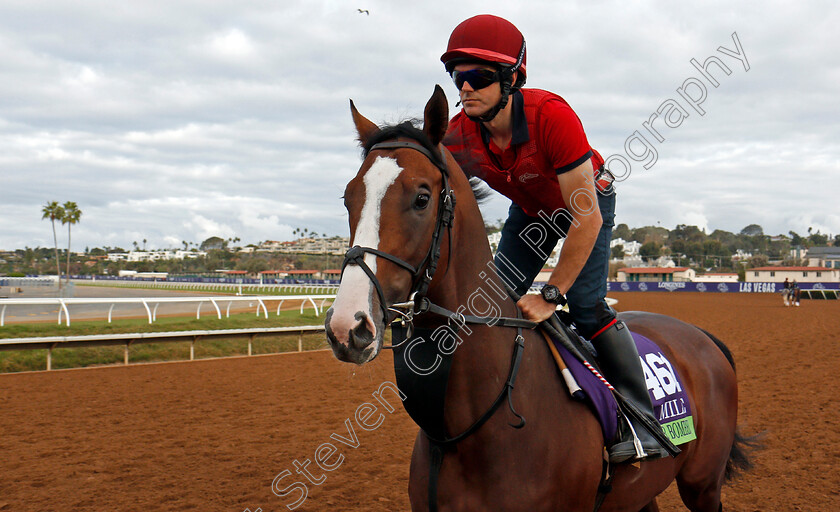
798, 253
494, 239
800, 274
270, 275
741, 255
333, 274
312, 245
630, 248
234, 274
154, 255
716, 277
823, 257
655, 274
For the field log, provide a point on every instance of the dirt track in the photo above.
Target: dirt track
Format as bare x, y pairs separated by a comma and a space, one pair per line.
212, 435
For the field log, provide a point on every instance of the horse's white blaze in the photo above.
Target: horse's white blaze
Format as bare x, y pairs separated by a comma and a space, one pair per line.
356, 290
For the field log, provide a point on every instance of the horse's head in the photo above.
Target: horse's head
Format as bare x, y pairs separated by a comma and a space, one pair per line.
399, 205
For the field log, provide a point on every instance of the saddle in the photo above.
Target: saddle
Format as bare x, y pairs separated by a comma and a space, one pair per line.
670, 402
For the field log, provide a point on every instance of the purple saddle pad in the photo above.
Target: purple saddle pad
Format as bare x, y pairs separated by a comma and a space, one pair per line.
670, 402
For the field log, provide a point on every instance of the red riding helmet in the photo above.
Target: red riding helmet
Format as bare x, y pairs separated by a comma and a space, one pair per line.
486, 38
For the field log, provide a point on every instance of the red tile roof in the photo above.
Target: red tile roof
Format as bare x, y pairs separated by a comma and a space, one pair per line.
652, 270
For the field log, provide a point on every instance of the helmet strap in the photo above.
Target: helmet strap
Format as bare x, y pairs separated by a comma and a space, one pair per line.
506, 84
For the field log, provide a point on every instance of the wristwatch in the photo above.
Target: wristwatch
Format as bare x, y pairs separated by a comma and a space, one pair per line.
551, 293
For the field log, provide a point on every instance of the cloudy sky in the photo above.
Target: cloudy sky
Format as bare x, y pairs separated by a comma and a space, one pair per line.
180, 120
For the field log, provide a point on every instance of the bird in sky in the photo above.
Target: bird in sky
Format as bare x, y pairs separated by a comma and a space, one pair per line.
363, 11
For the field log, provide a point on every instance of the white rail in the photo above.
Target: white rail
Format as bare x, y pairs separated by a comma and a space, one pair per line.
98, 340
823, 293
237, 287
154, 302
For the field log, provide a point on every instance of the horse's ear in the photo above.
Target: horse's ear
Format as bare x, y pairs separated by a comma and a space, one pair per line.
436, 116
364, 127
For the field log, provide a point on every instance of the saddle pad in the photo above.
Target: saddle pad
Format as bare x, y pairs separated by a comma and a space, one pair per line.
670, 402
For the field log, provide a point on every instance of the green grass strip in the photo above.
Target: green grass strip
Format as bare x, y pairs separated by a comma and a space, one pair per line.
78, 357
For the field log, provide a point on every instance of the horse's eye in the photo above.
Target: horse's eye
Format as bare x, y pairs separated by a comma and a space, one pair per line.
421, 201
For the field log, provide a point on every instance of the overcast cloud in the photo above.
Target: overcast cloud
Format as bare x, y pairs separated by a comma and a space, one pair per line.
180, 120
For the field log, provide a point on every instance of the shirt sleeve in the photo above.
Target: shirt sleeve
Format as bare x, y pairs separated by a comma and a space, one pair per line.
563, 138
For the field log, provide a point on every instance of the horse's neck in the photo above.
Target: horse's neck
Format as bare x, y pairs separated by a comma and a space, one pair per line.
469, 280
470, 285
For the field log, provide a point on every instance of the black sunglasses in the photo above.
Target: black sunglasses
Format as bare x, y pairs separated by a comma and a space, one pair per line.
478, 78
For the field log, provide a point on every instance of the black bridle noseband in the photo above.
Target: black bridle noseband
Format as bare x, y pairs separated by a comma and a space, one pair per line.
422, 274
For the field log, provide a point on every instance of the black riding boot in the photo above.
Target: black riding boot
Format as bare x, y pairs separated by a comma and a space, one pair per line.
619, 361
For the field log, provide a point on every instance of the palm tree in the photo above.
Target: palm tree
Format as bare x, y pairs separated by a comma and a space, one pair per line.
54, 211
72, 214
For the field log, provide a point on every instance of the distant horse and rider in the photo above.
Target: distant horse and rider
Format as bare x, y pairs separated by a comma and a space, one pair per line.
499, 428
791, 293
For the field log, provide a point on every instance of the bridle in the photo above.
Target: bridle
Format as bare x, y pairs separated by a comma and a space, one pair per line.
424, 272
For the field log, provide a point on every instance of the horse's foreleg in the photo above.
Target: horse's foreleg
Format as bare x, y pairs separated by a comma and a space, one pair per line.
651, 507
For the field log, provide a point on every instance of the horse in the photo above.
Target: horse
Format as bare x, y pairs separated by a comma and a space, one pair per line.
418, 246
791, 296
787, 296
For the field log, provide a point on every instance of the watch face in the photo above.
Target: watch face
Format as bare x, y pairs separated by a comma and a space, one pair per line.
550, 293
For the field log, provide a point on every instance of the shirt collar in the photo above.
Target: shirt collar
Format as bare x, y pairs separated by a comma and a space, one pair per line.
520, 123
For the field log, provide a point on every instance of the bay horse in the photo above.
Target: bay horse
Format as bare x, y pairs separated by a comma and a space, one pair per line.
412, 243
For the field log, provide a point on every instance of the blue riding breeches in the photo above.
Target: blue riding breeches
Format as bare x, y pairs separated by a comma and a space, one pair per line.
527, 243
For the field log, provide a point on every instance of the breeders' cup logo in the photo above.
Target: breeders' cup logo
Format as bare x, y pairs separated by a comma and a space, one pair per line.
625, 287
818, 286
722, 287
642, 287
701, 287
671, 285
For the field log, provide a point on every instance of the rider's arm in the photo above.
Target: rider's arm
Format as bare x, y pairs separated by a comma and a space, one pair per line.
579, 194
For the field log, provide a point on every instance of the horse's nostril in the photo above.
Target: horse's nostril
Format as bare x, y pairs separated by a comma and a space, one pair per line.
362, 335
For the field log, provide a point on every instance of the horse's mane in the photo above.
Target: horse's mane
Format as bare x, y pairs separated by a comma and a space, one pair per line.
406, 128
409, 129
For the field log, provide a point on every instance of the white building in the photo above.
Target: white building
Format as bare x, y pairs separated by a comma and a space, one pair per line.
800, 274
716, 277
494, 239
631, 248
312, 245
154, 255
655, 274
740, 255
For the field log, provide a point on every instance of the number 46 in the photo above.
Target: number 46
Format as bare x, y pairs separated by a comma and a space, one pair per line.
659, 375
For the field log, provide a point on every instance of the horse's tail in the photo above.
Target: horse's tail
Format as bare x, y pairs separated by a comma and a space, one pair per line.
742, 446
740, 454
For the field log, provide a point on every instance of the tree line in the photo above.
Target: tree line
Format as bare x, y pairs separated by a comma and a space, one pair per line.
690, 245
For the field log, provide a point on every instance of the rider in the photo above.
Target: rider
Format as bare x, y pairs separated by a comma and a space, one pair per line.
529, 145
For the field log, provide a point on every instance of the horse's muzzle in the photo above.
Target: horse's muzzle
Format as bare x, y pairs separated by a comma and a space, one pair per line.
361, 343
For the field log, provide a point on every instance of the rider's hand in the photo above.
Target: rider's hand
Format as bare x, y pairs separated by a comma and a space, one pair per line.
535, 308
